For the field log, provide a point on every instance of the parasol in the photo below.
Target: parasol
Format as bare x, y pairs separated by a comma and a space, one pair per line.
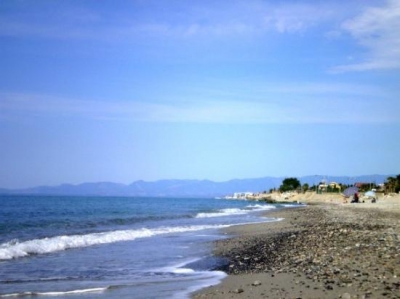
350, 191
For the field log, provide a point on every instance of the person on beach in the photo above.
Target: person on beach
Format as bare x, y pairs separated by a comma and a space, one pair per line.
355, 198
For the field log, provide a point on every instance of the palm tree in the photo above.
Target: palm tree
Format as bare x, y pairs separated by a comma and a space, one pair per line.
397, 187
390, 184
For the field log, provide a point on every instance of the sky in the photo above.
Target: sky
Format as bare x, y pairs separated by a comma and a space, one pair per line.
119, 91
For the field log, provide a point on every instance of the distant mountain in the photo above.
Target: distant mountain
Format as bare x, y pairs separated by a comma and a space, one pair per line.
185, 188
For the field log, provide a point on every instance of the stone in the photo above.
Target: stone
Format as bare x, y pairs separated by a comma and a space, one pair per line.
346, 296
256, 283
337, 251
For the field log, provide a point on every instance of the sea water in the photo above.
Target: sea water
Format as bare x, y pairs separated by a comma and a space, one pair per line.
114, 247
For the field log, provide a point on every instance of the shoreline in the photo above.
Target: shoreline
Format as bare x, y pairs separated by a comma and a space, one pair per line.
323, 250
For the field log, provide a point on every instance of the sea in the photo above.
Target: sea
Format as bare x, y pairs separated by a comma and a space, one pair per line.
115, 247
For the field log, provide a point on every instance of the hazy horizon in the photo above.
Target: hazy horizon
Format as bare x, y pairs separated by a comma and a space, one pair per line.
146, 90
319, 176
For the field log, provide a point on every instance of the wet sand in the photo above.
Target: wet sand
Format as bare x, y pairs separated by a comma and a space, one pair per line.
323, 250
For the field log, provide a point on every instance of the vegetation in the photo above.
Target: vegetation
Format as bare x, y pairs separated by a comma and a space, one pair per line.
392, 184
363, 187
333, 189
290, 184
313, 188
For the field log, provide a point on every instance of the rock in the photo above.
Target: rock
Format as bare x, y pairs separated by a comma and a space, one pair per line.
238, 291
346, 296
332, 245
256, 283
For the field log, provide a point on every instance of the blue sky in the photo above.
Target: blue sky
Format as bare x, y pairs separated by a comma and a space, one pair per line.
127, 90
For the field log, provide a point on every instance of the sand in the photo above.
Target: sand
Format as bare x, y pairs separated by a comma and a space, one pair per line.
326, 249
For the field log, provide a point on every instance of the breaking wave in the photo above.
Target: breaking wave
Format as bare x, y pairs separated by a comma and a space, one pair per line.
15, 249
74, 292
230, 212
224, 212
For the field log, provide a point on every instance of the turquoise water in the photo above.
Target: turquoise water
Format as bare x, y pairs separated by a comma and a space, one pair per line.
109, 247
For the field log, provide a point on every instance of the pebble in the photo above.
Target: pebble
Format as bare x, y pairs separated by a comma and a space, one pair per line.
346, 296
329, 244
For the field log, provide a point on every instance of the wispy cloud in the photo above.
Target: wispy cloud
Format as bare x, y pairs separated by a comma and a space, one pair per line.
312, 103
150, 20
376, 29
294, 17
52, 22
191, 19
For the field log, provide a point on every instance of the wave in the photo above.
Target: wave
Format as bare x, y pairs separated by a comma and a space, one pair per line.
74, 292
38, 280
79, 224
15, 249
294, 205
261, 207
220, 213
230, 212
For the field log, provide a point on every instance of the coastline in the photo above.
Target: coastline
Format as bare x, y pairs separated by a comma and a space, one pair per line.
323, 250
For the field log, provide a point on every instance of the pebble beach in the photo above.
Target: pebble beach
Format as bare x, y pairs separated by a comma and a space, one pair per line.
325, 249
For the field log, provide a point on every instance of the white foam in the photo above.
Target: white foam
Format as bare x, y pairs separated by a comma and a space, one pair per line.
230, 212
202, 278
261, 207
205, 279
222, 213
93, 290
15, 249
183, 271
294, 205
178, 268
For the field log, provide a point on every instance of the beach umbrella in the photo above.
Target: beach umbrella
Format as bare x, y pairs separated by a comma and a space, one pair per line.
350, 191
370, 194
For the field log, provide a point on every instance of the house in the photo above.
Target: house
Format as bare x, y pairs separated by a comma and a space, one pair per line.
331, 187
335, 186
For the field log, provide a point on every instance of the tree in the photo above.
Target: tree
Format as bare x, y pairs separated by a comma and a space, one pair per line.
392, 184
313, 188
397, 187
289, 184
305, 187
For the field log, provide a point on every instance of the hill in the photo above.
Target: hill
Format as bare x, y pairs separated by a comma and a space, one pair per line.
184, 188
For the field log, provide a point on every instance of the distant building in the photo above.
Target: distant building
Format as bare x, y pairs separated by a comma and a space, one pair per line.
331, 187
334, 185
322, 188
242, 195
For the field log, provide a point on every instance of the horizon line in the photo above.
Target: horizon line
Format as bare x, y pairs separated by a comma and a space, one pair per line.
198, 180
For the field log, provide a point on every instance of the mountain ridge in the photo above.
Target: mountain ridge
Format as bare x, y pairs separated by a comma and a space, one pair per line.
184, 188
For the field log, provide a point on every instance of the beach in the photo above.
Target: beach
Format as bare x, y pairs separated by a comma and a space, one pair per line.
325, 249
